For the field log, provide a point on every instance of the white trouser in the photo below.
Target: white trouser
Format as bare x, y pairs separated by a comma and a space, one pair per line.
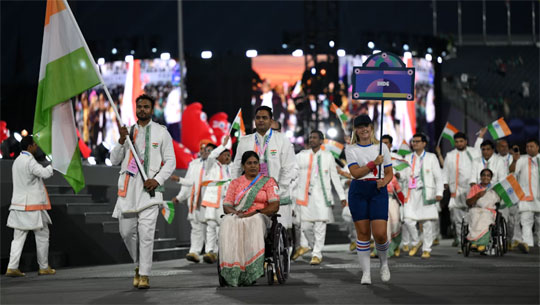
316, 229
405, 235
42, 246
527, 221
212, 233
456, 215
514, 224
198, 236
138, 232
428, 233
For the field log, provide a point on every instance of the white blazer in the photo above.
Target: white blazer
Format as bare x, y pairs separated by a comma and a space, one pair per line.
29, 193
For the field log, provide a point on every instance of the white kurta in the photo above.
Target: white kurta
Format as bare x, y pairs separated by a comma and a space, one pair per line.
191, 191
213, 195
279, 156
494, 164
527, 176
161, 152
317, 208
427, 174
465, 160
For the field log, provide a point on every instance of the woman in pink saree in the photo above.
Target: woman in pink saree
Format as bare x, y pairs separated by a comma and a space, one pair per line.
250, 199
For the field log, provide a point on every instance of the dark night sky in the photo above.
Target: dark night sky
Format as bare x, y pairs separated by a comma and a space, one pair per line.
225, 27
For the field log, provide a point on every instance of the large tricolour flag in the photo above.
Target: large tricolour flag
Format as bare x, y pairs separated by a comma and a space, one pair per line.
66, 69
509, 190
499, 129
132, 89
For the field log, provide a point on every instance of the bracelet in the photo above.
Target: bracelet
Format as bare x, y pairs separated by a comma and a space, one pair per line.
371, 165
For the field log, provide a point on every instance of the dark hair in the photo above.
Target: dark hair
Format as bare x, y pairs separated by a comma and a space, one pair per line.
265, 108
388, 137
26, 141
532, 140
422, 137
503, 140
488, 170
210, 145
146, 97
319, 133
460, 135
488, 143
248, 154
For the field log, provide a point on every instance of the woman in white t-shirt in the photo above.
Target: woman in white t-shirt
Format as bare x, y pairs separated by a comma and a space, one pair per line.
368, 196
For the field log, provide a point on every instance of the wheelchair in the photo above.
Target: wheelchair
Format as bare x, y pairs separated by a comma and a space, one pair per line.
497, 244
276, 256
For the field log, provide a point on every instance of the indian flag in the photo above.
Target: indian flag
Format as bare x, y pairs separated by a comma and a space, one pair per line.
168, 211
499, 129
401, 166
238, 123
333, 147
404, 149
67, 69
449, 132
339, 113
509, 190
215, 182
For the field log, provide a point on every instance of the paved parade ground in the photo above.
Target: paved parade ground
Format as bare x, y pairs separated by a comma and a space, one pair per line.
446, 278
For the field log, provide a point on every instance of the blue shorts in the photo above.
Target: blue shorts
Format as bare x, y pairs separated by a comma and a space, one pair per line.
368, 202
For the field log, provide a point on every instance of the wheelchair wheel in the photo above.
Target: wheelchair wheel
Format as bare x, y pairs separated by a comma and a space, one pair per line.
504, 235
464, 242
270, 274
467, 249
280, 253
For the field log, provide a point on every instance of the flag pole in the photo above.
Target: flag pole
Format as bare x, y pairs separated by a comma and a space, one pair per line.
380, 138
113, 105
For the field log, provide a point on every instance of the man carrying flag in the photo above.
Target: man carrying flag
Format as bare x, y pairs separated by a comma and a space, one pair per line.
138, 202
528, 175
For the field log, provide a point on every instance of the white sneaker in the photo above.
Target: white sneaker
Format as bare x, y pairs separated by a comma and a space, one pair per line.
385, 273
366, 279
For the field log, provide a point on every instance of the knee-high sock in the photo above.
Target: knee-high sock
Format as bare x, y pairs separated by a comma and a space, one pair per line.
382, 252
362, 250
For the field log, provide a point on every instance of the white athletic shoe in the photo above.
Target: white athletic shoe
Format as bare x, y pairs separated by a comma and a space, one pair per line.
366, 279
385, 273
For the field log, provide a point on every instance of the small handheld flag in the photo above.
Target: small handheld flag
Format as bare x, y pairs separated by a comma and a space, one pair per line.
448, 133
343, 118
509, 190
238, 123
499, 129
334, 147
404, 149
168, 211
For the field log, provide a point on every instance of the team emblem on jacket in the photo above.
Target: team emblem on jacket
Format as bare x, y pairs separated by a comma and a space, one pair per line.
155, 145
273, 152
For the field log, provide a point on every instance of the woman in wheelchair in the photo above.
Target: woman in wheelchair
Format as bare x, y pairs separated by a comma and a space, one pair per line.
249, 201
482, 211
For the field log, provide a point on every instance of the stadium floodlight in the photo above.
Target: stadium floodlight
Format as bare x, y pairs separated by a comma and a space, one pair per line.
429, 50
206, 54
341, 53
405, 47
439, 60
428, 57
376, 51
128, 58
331, 43
284, 46
371, 44
165, 56
332, 132
132, 52
114, 51
313, 71
101, 61
154, 50
298, 53
251, 53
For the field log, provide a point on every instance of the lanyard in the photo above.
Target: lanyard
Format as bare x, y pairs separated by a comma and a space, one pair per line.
413, 161
246, 189
486, 164
261, 151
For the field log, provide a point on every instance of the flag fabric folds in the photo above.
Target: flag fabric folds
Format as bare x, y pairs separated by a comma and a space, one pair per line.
333, 147
449, 132
238, 123
509, 190
215, 182
499, 129
343, 118
168, 211
404, 149
66, 69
